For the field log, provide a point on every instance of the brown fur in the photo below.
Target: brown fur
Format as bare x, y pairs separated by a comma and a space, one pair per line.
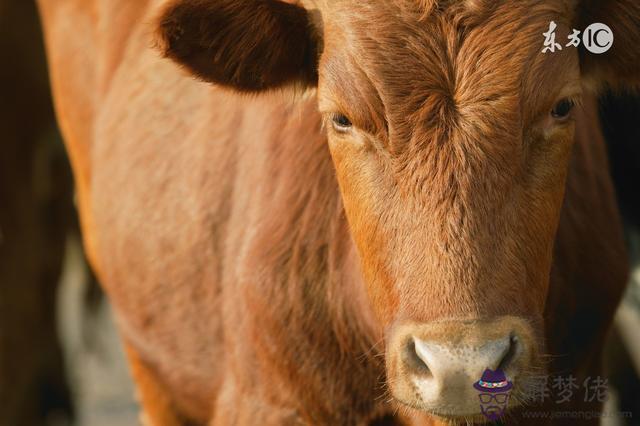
217, 225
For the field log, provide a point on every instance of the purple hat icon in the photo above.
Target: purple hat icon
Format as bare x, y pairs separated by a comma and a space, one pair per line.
493, 381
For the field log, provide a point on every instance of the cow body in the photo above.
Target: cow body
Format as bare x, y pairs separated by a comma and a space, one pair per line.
215, 223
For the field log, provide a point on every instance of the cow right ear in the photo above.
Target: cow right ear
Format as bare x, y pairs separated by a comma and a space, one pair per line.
248, 45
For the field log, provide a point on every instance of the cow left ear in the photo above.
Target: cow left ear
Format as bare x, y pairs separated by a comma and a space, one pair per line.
620, 65
248, 45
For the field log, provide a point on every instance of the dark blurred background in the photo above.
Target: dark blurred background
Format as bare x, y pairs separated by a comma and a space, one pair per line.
36, 212
61, 362
60, 357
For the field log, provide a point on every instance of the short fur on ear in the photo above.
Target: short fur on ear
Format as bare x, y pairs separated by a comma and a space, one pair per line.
248, 45
620, 65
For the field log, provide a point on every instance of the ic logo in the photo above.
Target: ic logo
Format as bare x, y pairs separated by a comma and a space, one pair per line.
597, 38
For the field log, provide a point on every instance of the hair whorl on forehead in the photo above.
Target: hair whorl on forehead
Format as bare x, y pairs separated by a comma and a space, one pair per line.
465, 8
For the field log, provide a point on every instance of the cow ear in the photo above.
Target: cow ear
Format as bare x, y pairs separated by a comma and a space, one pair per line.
620, 65
248, 45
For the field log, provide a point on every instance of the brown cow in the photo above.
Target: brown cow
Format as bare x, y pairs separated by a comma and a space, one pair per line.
268, 269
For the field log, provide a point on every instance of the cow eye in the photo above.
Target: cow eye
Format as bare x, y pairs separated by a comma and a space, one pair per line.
341, 123
562, 109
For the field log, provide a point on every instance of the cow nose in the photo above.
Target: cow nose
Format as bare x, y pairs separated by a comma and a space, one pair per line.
442, 367
437, 360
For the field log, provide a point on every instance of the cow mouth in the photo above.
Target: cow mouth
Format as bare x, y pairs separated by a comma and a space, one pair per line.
471, 418
470, 410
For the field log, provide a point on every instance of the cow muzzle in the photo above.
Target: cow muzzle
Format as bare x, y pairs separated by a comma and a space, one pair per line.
461, 369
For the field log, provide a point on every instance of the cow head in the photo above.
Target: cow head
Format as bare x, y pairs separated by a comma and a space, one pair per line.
451, 134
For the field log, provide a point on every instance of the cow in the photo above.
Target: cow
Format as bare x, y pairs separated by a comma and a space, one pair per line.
345, 212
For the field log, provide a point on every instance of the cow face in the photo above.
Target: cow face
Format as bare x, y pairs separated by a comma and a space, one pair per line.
451, 134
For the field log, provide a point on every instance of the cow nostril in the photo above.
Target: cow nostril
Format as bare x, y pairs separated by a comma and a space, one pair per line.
413, 360
510, 354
